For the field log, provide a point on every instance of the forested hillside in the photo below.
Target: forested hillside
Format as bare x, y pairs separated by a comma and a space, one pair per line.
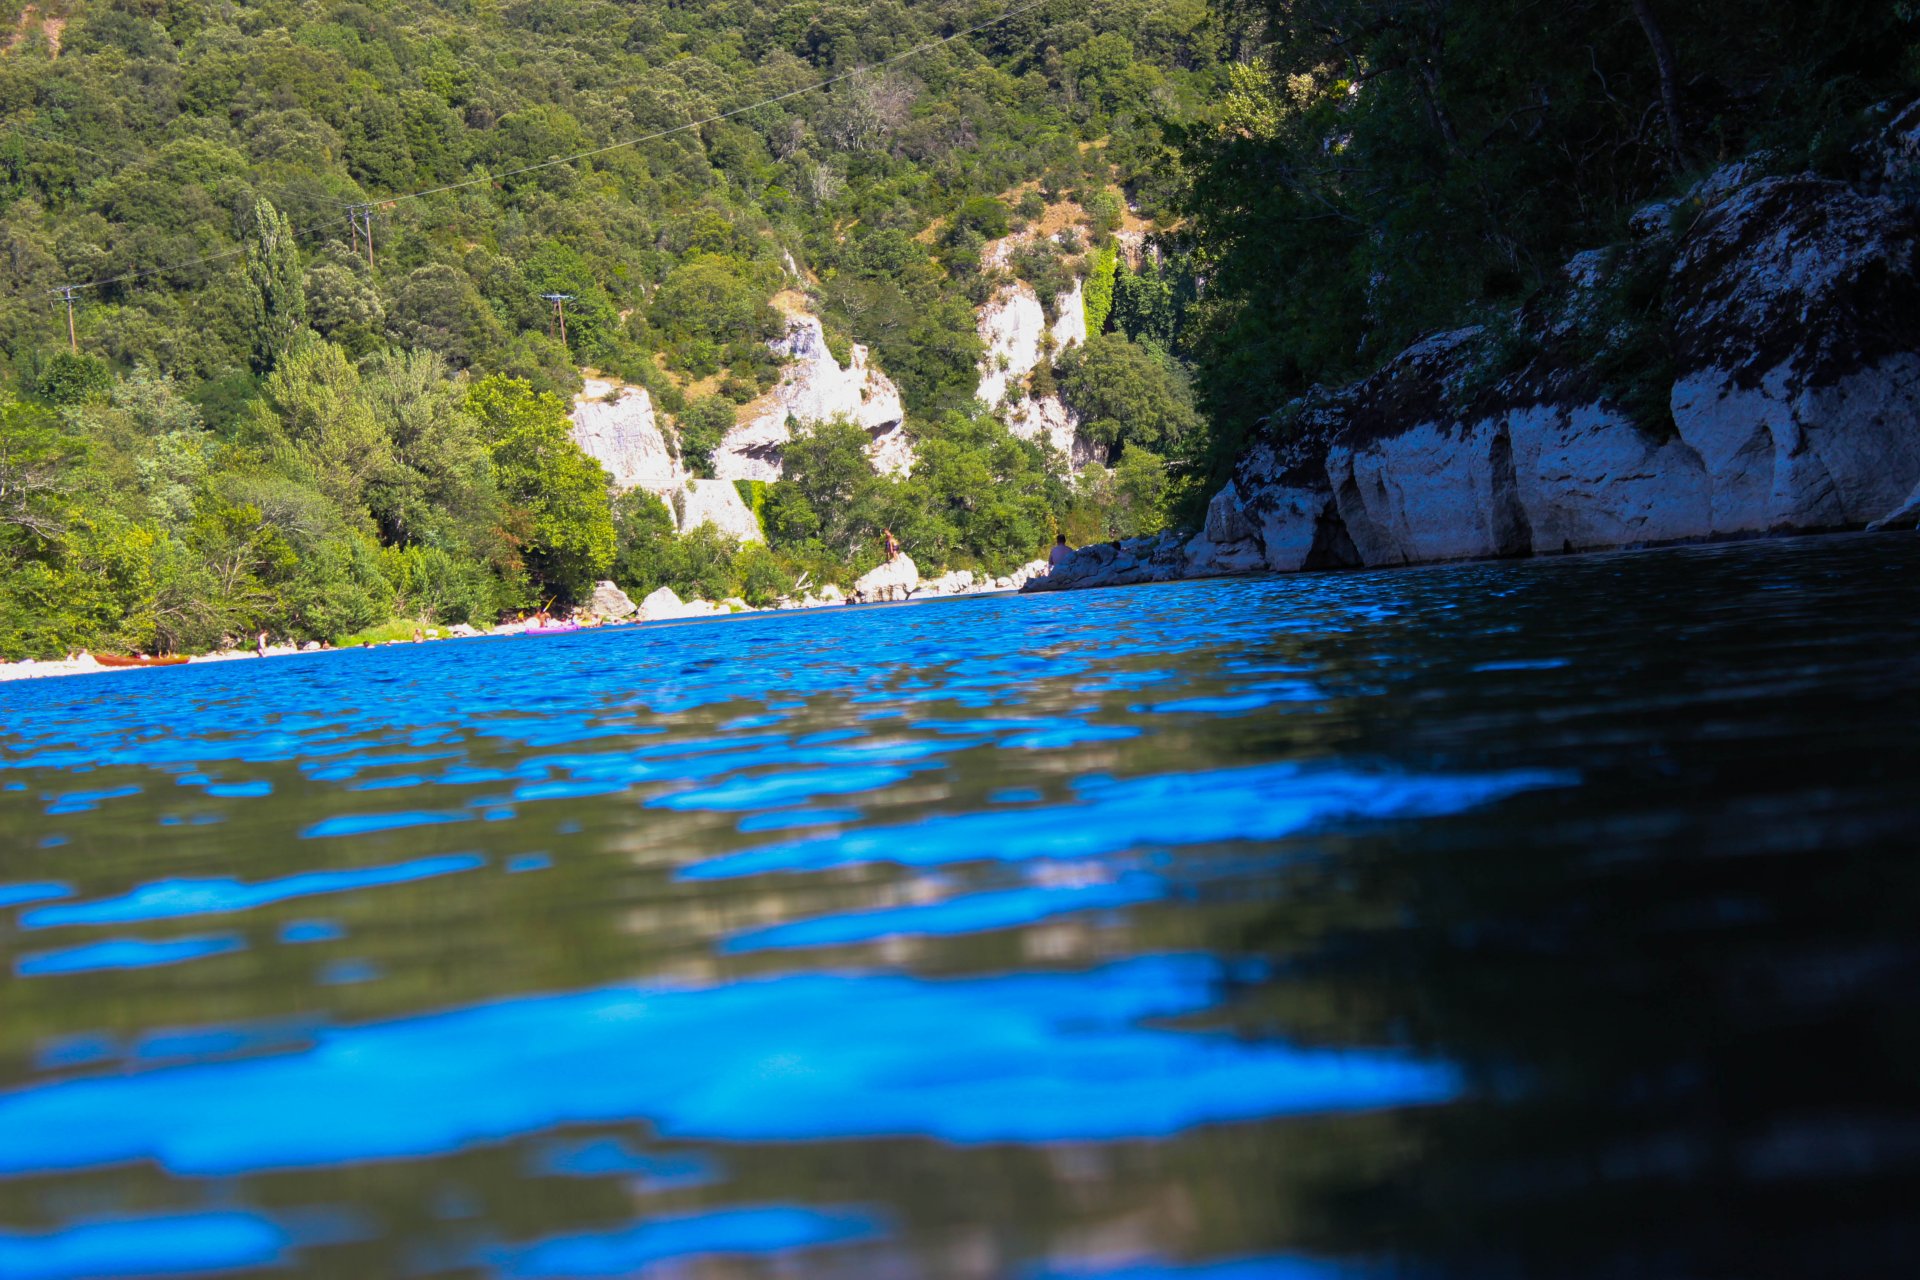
320, 381
270, 423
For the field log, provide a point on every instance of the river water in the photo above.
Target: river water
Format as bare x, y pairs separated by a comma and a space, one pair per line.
1545, 918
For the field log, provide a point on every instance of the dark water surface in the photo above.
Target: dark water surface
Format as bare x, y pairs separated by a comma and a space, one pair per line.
1551, 918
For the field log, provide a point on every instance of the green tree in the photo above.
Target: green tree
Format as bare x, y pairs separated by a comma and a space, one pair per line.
826, 479
644, 539
977, 495
702, 425
761, 577
440, 491
314, 396
1129, 394
36, 458
66, 378
566, 538
276, 296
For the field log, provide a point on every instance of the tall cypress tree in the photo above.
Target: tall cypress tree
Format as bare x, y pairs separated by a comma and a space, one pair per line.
276, 299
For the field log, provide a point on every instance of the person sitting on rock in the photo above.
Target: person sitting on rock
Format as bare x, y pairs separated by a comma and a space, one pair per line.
891, 543
1061, 552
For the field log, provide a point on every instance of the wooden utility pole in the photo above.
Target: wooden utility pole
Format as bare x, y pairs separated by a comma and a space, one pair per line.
66, 293
360, 218
559, 301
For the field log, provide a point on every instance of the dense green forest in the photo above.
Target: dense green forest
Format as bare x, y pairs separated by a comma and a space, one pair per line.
260, 419
269, 423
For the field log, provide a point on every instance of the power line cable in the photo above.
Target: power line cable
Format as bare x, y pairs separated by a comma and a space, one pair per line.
554, 162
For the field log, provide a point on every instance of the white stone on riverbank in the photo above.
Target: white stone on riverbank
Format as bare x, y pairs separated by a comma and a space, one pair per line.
609, 601
897, 579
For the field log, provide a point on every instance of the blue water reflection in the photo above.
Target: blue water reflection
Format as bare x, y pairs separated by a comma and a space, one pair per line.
773, 1229
169, 899
173, 1244
599, 1157
1264, 802
125, 953
13, 895
980, 937
1022, 1058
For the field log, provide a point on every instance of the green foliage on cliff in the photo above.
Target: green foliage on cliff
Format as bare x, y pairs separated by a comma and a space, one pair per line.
1097, 300
1129, 394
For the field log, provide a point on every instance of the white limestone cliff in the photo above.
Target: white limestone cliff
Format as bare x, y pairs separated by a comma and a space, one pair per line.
1793, 349
814, 388
718, 503
1013, 329
615, 425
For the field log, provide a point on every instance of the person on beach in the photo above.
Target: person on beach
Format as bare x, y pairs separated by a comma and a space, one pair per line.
891, 543
1061, 552
260, 645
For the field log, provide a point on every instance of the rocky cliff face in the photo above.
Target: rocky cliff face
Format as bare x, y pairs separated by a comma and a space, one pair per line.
1773, 384
718, 503
814, 388
615, 424
1014, 330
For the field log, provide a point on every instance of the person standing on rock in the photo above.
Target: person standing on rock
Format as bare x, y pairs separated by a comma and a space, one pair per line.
891, 543
1061, 552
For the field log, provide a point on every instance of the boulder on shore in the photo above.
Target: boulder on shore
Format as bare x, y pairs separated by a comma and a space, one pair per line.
897, 579
609, 601
660, 605
954, 582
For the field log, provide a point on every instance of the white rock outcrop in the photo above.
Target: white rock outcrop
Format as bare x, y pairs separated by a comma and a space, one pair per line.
615, 425
1011, 325
718, 503
897, 579
1793, 361
814, 388
1069, 326
609, 601
1013, 329
662, 603
953, 582
1015, 333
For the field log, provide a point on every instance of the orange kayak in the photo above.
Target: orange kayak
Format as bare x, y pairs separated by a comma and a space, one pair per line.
138, 660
